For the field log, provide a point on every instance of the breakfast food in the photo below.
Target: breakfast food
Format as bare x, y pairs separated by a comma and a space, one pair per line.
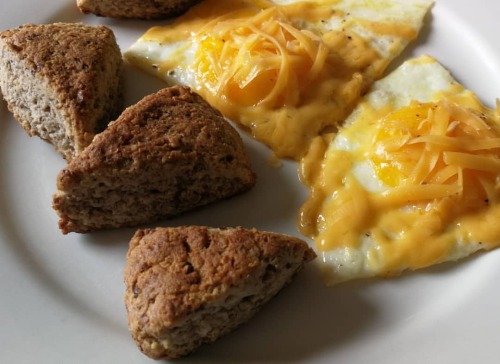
286, 69
136, 9
62, 81
169, 153
409, 182
187, 286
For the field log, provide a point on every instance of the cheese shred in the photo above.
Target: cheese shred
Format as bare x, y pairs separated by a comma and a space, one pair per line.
450, 151
263, 55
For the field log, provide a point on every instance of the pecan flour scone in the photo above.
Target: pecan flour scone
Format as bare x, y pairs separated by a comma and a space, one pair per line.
62, 82
187, 286
136, 9
169, 153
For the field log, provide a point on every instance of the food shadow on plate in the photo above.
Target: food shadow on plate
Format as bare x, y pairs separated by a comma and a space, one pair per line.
139, 84
306, 320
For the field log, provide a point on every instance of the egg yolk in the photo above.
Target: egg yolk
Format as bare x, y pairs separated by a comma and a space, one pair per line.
395, 131
442, 147
262, 61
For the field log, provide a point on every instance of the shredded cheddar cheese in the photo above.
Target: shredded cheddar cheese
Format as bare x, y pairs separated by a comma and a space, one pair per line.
261, 60
448, 150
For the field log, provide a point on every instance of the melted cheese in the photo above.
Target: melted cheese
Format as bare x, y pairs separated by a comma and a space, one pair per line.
439, 164
287, 72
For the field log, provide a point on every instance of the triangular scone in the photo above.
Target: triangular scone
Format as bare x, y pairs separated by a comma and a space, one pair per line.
135, 9
169, 153
62, 81
188, 286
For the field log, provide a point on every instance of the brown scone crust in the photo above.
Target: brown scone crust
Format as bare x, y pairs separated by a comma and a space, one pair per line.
135, 9
169, 153
188, 286
62, 82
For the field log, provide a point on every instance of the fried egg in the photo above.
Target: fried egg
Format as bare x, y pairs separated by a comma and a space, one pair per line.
411, 180
285, 69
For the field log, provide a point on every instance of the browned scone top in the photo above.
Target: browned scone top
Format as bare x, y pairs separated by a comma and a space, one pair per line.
169, 153
187, 286
62, 81
135, 9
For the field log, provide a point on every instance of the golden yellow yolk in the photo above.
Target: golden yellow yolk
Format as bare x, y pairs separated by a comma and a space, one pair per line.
396, 129
266, 61
442, 147
440, 164
272, 69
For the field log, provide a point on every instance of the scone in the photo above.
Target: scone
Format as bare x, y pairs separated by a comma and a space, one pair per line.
136, 9
169, 153
62, 82
187, 286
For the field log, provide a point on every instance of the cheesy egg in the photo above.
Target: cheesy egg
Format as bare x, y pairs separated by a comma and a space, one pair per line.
411, 180
288, 70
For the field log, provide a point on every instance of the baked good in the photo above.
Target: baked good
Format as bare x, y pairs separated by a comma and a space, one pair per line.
187, 286
62, 82
169, 153
136, 9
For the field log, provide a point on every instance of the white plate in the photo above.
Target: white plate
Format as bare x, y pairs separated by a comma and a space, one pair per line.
61, 297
